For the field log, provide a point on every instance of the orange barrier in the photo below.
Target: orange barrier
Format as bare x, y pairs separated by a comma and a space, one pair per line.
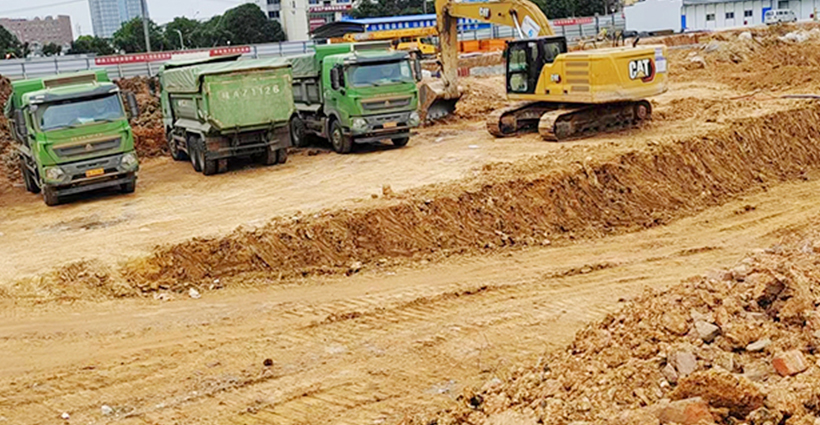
470, 46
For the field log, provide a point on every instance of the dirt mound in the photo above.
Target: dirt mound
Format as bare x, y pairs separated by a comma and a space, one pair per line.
738, 345
773, 59
9, 169
149, 133
481, 96
505, 208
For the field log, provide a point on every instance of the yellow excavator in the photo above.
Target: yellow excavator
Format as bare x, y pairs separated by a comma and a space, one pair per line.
562, 94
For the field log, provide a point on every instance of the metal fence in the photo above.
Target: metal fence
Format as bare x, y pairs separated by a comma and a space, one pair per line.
16, 69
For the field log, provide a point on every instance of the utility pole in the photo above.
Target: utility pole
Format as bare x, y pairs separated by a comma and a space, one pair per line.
144, 8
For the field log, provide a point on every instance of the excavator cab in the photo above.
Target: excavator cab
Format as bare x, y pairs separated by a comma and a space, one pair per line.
526, 58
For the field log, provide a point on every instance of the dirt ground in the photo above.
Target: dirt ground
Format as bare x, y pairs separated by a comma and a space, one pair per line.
382, 286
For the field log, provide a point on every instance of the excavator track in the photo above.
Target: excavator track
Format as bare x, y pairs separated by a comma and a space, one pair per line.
520, 117
573, 123
557, 122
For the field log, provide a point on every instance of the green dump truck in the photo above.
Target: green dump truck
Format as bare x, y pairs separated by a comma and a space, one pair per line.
222, 108
355, 93
72, 134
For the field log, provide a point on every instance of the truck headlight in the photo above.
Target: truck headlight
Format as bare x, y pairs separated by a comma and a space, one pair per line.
415, 120
129, 161
359, 125
55, 173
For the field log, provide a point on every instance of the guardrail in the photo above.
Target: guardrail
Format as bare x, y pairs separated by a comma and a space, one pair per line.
573, 29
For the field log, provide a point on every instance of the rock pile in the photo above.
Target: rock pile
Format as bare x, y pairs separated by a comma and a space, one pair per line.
736, 346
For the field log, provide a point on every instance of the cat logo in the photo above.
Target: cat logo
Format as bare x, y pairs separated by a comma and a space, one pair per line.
89, 148
642, 69
484, 12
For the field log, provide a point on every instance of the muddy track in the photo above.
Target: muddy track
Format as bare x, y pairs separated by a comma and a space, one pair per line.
640, 189
375, 347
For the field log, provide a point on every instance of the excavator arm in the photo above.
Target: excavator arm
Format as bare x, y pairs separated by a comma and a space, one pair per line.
526, 17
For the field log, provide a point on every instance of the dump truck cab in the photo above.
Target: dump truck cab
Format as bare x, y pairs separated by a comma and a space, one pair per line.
355, 93
72, 134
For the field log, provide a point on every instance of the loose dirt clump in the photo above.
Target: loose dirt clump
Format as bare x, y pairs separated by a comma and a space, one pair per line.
482, 95
149, 133
679, 355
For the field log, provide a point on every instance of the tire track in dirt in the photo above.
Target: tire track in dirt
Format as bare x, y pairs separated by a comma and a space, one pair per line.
395, 340
640, 189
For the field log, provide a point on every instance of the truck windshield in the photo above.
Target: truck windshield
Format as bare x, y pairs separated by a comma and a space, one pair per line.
379, 74
75, 113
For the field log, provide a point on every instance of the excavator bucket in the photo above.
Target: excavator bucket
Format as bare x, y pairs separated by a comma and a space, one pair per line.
435, 101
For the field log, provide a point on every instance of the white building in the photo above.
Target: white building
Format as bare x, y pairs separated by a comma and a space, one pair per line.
716, 14
107, 16
654, 15
299, 17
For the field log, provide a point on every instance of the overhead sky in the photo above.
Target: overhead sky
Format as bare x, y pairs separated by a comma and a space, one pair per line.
161, 11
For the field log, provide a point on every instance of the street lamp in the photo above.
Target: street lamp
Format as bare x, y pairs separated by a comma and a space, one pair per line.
181, 41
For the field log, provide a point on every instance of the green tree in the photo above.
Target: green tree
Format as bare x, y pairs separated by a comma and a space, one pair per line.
188, 28
369, 9
554, 9
88, 44
9, 45
130, 37
247, 24
52, 49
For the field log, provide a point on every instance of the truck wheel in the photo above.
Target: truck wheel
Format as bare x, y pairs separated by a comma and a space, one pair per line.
129, 187
193, 153
297, 132
269, 157
340, 142
50, 196
401, 141
282, 155
28, 178
177, 154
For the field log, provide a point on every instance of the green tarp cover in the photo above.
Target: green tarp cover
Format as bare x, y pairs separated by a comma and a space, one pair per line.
305, 66
188, 79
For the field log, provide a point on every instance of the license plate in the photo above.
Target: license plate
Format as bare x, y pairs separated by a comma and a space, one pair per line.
390, 125
95, 172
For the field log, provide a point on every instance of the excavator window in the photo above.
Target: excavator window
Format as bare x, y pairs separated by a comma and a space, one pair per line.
526, 58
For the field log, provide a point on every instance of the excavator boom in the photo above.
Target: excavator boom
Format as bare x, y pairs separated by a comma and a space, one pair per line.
438, 99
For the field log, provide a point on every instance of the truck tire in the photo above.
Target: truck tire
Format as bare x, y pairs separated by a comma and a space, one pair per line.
282, 155
129, 187
193, 153
270, 157
340, 142
50, 196
401, 141
177, 154
28, 178
297, 132
209, 166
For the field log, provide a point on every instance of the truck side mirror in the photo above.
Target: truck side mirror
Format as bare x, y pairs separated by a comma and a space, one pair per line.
133, 106
20, 125
417, 69
334, 78
341, 72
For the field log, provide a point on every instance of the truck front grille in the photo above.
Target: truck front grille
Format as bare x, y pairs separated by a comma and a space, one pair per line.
87, 148
380, 105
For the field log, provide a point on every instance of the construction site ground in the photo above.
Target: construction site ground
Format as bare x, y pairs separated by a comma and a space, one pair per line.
377, 287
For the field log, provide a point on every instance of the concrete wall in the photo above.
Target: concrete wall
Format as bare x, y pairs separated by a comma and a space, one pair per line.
653, 15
